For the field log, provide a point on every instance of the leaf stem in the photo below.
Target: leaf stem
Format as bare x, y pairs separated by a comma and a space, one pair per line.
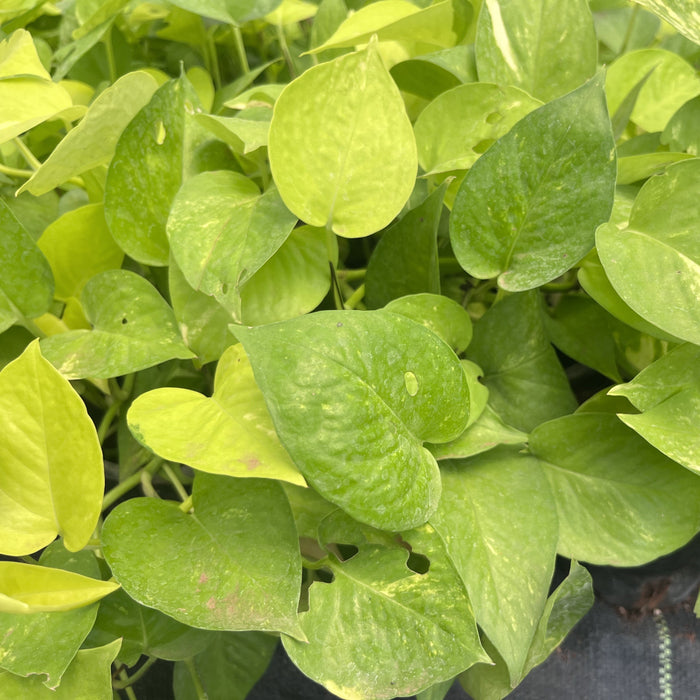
15, 172
109, 50
201, 693
240, 48
127, 689
215, 70
130, 482
282, 39
357, 296
137, 675
106, 422
186, 505
177, 484
351, 275
31, 159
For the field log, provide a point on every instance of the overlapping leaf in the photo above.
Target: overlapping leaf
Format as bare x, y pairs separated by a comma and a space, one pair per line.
230, 433
620, 501
668, 394
341, 147
133, 328
503, 554
517, 214
654, 264
380, 629
52, 478
232, 565
353, 395
547, 48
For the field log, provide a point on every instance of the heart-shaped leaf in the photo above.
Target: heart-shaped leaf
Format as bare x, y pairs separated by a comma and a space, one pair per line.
654, 264
133, 328
222, 231
230, 433
52, 477
668, 394
352, 395
620, 501
341, 146
379, 629
504, 554
517, 213
205, 569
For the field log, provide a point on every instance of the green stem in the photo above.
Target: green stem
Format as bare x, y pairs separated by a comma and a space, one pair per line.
122, 393
630, 29
111, 63
285, 51
357, 296
127, 689
137, 675
240, 48
351, 275
215, 70
113, 495
15, 172
31, 159
106, 422
177, 484
201, 693
186, 505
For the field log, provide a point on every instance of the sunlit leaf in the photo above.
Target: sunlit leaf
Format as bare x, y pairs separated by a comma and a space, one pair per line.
52, 478
230, 433
341, 147
353, 394
205, 569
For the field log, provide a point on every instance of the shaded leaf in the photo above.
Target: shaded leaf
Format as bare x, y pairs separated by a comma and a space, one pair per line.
517, 214
133, 328
668, 394
526, 383
620, 501
683, 15
226, 584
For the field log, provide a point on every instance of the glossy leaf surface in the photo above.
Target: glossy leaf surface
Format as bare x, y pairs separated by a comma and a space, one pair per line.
52, 477
44, 643
226, 582
504, 555
230, 433
517, 214
138, 197
376, 602
654, 264
133, 328
92, 142
460, 124
545, 48
30, 588
341, 147
222, 231
668, 394
620, 502
352, 396
683, 15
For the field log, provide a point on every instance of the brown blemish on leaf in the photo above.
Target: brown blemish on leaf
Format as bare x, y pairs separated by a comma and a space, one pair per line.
203, 578
251, 462
211, 603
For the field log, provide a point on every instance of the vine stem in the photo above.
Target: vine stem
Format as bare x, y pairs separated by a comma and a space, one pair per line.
351, 275
113, 495
285, 51
201, 693
127, 680
106, 422
240, 48
15, 172
177, 484
31, 159
357, 296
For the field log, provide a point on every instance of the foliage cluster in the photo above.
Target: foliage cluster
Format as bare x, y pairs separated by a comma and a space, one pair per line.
338, 322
